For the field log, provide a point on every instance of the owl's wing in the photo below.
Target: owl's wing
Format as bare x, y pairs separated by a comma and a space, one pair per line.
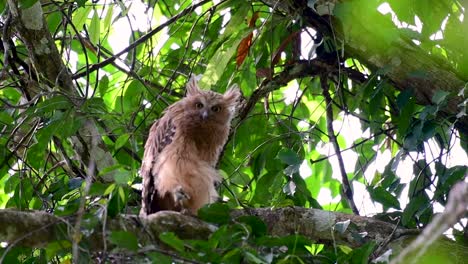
161, 134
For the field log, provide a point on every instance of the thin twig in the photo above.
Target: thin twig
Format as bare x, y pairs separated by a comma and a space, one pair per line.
346, 186
141, 40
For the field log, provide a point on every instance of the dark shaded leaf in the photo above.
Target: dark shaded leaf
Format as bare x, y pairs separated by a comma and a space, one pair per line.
124, 239
172, 240
215, 213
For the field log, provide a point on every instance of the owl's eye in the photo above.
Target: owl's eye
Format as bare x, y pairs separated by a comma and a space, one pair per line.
216, 108
199, 105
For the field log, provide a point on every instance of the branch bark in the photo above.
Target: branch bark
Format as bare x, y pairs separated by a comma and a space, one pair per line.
37, 228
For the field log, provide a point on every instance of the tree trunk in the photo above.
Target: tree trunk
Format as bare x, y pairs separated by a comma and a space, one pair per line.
52, 75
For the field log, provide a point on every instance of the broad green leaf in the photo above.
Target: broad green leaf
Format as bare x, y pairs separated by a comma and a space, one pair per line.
416, 204
384, 197
237, 20
54, 20
263, 190
172, 240
124, 239
121, 141
117, 201
363, 253
289, 157
233, 256
5, 118
217, 64
58, 102
55, 247
122, 177
80, 16
103, 85
95, 28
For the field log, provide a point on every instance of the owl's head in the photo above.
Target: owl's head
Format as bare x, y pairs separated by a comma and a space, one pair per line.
208, 106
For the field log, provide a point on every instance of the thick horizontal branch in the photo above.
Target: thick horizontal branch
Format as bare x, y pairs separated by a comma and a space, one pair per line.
37, 229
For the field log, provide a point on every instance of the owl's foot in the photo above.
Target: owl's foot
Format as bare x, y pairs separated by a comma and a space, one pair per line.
181, 198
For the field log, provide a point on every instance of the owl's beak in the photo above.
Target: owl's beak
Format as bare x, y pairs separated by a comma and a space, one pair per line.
204, 114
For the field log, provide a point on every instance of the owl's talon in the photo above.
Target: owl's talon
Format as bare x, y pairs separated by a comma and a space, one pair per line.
180, 195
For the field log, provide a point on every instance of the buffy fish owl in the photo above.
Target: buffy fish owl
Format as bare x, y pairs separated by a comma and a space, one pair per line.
182, 150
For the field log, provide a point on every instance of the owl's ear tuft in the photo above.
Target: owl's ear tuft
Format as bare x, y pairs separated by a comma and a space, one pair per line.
233, 94
192, 87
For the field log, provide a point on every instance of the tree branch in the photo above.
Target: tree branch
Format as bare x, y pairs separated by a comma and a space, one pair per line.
141, 40
346, 186
298, 70
37, 228
399, 57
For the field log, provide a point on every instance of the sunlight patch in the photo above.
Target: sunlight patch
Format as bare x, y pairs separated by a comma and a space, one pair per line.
291, 92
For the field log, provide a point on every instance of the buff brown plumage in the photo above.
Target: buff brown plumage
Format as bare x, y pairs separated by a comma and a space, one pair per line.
182, 149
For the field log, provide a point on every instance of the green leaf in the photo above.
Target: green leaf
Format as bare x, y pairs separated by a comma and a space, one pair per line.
233, 256
363, 253
121, 141
58, 102
103, 85
253, 258
124, 239
289, 157
135, 88
259, 228
237, 20
173, 241
215, 213
264, 190
439, 97
5, 118
95, 29
217, 64
417, 204
159, 258
108, 18
24, 4
2, 6
80, 16
384, 197
122, 177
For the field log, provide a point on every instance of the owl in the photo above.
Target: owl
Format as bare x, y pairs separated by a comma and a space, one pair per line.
183, 147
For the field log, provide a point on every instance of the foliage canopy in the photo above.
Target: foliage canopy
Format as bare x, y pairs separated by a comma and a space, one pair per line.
336, 103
